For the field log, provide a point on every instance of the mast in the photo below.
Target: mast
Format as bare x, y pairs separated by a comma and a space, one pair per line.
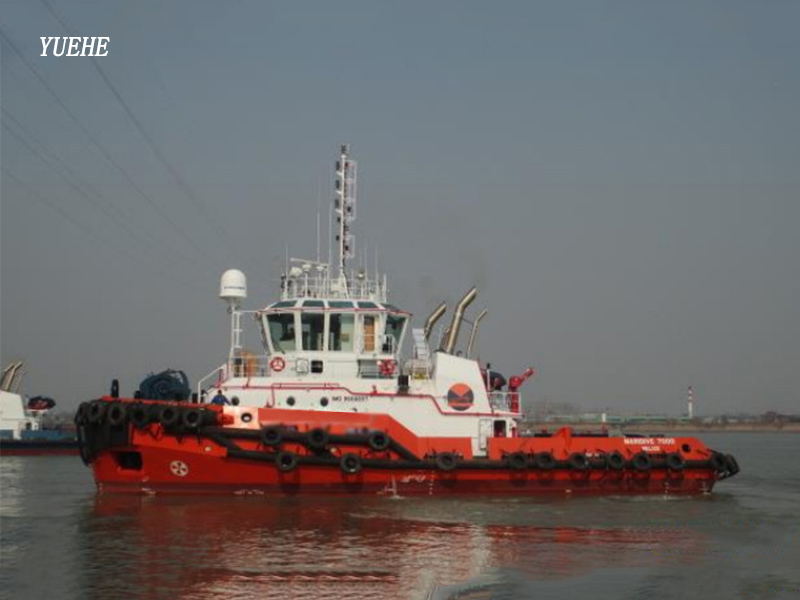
345, 209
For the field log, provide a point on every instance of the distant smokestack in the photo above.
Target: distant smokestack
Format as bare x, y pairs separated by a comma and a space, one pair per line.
455, 325
433, 318
690, 403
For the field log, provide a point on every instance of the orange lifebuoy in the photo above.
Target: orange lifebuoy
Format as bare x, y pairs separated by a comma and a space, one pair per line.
277, 364
386, 367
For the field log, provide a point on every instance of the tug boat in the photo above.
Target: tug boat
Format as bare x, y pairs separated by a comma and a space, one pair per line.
334, 405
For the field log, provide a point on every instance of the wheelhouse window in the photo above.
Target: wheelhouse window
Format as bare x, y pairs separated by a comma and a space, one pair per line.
281, 331
394, 330
313, 331
342, 331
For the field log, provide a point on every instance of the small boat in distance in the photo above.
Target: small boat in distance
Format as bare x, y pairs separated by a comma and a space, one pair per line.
21, 431
334, 405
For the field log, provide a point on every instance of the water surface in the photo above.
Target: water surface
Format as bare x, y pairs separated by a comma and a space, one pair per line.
60, 539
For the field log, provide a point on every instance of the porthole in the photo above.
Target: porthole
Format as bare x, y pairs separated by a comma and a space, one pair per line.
686, 448
290, 401
323, 401
247, 417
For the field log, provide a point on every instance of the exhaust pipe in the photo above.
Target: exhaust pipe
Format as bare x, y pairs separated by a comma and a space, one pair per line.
433, 318
474, 331
455, 325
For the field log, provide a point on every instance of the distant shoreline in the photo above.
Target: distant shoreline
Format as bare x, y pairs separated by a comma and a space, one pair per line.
532, 427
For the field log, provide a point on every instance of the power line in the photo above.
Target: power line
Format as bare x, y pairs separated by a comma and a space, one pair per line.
179, 179
107, 243
76, 188
85, 186
98, 145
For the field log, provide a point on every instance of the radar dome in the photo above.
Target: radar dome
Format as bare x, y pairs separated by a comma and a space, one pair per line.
233, 285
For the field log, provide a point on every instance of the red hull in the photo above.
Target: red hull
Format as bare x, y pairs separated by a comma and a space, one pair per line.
155, 454
231, 476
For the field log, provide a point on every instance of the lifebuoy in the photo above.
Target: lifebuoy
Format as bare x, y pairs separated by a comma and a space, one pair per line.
117, 413
350, 463
379, 441
675, 462
642, 462
277, 364
578, 461
446, 461
545, 461
615, 461
271, 436
387, 367
286, 461
517, 461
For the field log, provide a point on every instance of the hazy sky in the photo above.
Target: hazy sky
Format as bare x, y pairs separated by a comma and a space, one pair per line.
619, 178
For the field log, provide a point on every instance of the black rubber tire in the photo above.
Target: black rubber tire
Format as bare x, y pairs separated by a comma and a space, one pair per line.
318, 439
717, 462
544, 461
350, 463
96, 412
286, 461
615, 461
446, 461
192, 419
675, 461
578, 461
139, 416
271, 436
517, 461
379, 441
168, 415
731, 464
80, 414
642, 462
117, 414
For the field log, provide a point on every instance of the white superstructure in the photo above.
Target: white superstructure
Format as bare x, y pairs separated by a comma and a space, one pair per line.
333, 343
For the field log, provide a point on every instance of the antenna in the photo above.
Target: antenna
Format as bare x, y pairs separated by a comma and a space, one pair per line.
345, 209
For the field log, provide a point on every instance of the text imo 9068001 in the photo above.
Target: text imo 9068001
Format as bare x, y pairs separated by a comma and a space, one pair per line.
333, 405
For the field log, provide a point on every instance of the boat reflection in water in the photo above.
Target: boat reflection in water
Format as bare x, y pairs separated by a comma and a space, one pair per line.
246, 547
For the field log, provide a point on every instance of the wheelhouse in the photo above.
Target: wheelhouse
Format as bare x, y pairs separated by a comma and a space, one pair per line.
311, 326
